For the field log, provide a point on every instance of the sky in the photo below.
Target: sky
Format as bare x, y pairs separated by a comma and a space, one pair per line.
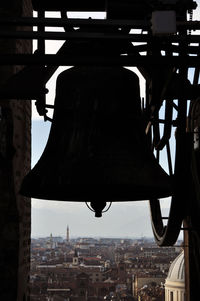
124, 219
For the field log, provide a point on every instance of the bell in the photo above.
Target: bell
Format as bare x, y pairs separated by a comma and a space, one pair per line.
97, 150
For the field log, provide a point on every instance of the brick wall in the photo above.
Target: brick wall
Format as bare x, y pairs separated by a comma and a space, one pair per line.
15, 210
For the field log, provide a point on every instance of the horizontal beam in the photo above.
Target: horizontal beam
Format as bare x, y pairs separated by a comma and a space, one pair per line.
99, 5
47, 35
72, 35
127, 60
58, 22
70, 5
175, 48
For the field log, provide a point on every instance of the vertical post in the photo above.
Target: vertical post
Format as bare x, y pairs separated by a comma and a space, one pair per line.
186, 258
15, 210
183, 167
192, 261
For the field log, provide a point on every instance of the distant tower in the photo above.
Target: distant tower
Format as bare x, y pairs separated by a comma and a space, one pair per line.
67, 237
51, 241
75, 258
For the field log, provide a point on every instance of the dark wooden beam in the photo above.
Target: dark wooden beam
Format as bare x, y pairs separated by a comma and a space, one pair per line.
70, 5
70, 60
58, 22
47, 35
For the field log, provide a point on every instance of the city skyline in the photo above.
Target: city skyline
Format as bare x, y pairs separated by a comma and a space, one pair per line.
114, 267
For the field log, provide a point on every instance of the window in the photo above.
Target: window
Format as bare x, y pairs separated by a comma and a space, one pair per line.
82, 293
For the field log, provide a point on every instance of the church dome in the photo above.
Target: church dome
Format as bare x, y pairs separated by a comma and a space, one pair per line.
175, 282
177, 269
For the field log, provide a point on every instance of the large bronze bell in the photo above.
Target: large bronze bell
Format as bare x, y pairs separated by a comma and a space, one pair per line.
97, 150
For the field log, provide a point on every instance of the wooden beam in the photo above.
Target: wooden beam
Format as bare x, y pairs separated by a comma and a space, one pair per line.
123, 60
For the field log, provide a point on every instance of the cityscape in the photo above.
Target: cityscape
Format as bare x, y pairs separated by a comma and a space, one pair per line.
87, 268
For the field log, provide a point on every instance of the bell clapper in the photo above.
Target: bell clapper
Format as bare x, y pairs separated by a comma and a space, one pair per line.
98, 208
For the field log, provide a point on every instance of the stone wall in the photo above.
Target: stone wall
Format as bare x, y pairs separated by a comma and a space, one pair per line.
15, 151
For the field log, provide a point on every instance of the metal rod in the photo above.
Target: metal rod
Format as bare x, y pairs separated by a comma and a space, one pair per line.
158, 120
168, 125
175, 106
176, 48
169, 159
49, 106
194, 25
157, 155
196, 76
41, 28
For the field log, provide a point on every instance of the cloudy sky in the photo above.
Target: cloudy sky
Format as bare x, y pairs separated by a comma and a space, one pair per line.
128, 219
